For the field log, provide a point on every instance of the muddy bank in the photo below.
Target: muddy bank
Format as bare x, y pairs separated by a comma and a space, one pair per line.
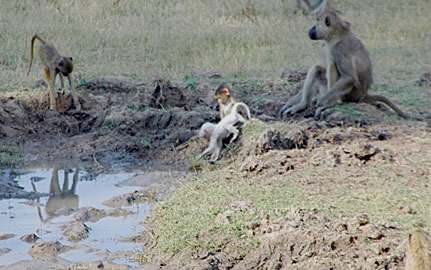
126, 122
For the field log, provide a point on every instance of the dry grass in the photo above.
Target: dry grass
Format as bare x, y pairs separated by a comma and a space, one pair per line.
173, 38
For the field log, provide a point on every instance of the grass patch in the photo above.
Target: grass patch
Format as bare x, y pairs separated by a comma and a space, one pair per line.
9, 159
172, 39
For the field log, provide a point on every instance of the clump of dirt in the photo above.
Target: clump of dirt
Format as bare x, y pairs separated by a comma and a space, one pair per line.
258, 154
271, 139
47, 250
166, 95
130, 198
4, 251
76, 231
29, 238
6, 236
424, 80
90, 214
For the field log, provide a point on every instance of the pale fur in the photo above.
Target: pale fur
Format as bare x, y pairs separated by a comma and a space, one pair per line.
418, 251
222, 130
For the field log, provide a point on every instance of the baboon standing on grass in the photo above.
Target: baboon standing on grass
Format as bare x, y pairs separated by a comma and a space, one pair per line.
344, 73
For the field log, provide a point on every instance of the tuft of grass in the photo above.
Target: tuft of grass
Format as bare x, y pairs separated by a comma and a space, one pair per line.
8, 158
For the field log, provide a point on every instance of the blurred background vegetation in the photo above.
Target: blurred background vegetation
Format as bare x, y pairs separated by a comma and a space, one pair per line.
244, 38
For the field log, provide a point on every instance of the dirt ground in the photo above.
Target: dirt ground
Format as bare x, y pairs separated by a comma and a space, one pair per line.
128, 123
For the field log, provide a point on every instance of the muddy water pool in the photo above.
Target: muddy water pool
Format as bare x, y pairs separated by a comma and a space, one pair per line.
66, 192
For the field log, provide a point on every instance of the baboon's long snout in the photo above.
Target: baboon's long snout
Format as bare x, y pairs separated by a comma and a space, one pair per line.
312, 33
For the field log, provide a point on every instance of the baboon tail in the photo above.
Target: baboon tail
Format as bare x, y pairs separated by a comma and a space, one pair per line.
31, 49
373, 98
235, 108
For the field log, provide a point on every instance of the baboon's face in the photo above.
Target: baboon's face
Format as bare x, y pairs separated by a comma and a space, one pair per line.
223, 96
329, 24
65, 65
222, 99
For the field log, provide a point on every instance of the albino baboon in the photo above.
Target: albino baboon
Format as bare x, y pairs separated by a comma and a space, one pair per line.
344, 73
206, 130
55, 64
222, 130
226, 101
419, 251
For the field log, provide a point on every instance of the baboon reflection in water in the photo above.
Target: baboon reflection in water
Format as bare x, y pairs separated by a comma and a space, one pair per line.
60, 197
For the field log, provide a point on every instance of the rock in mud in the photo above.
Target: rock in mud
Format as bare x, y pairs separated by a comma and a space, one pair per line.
47, 250
6, 236
130, 198
76, 231
3, 251
29, 238
90, 214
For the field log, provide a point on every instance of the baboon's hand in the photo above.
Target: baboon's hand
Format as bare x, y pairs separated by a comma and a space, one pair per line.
294, 109
287, 110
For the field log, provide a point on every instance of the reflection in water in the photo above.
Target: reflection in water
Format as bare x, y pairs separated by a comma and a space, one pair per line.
48, 221
59, 197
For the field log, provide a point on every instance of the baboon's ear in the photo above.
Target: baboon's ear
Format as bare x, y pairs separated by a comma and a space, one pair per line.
344, 24
226, 91
70, 58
